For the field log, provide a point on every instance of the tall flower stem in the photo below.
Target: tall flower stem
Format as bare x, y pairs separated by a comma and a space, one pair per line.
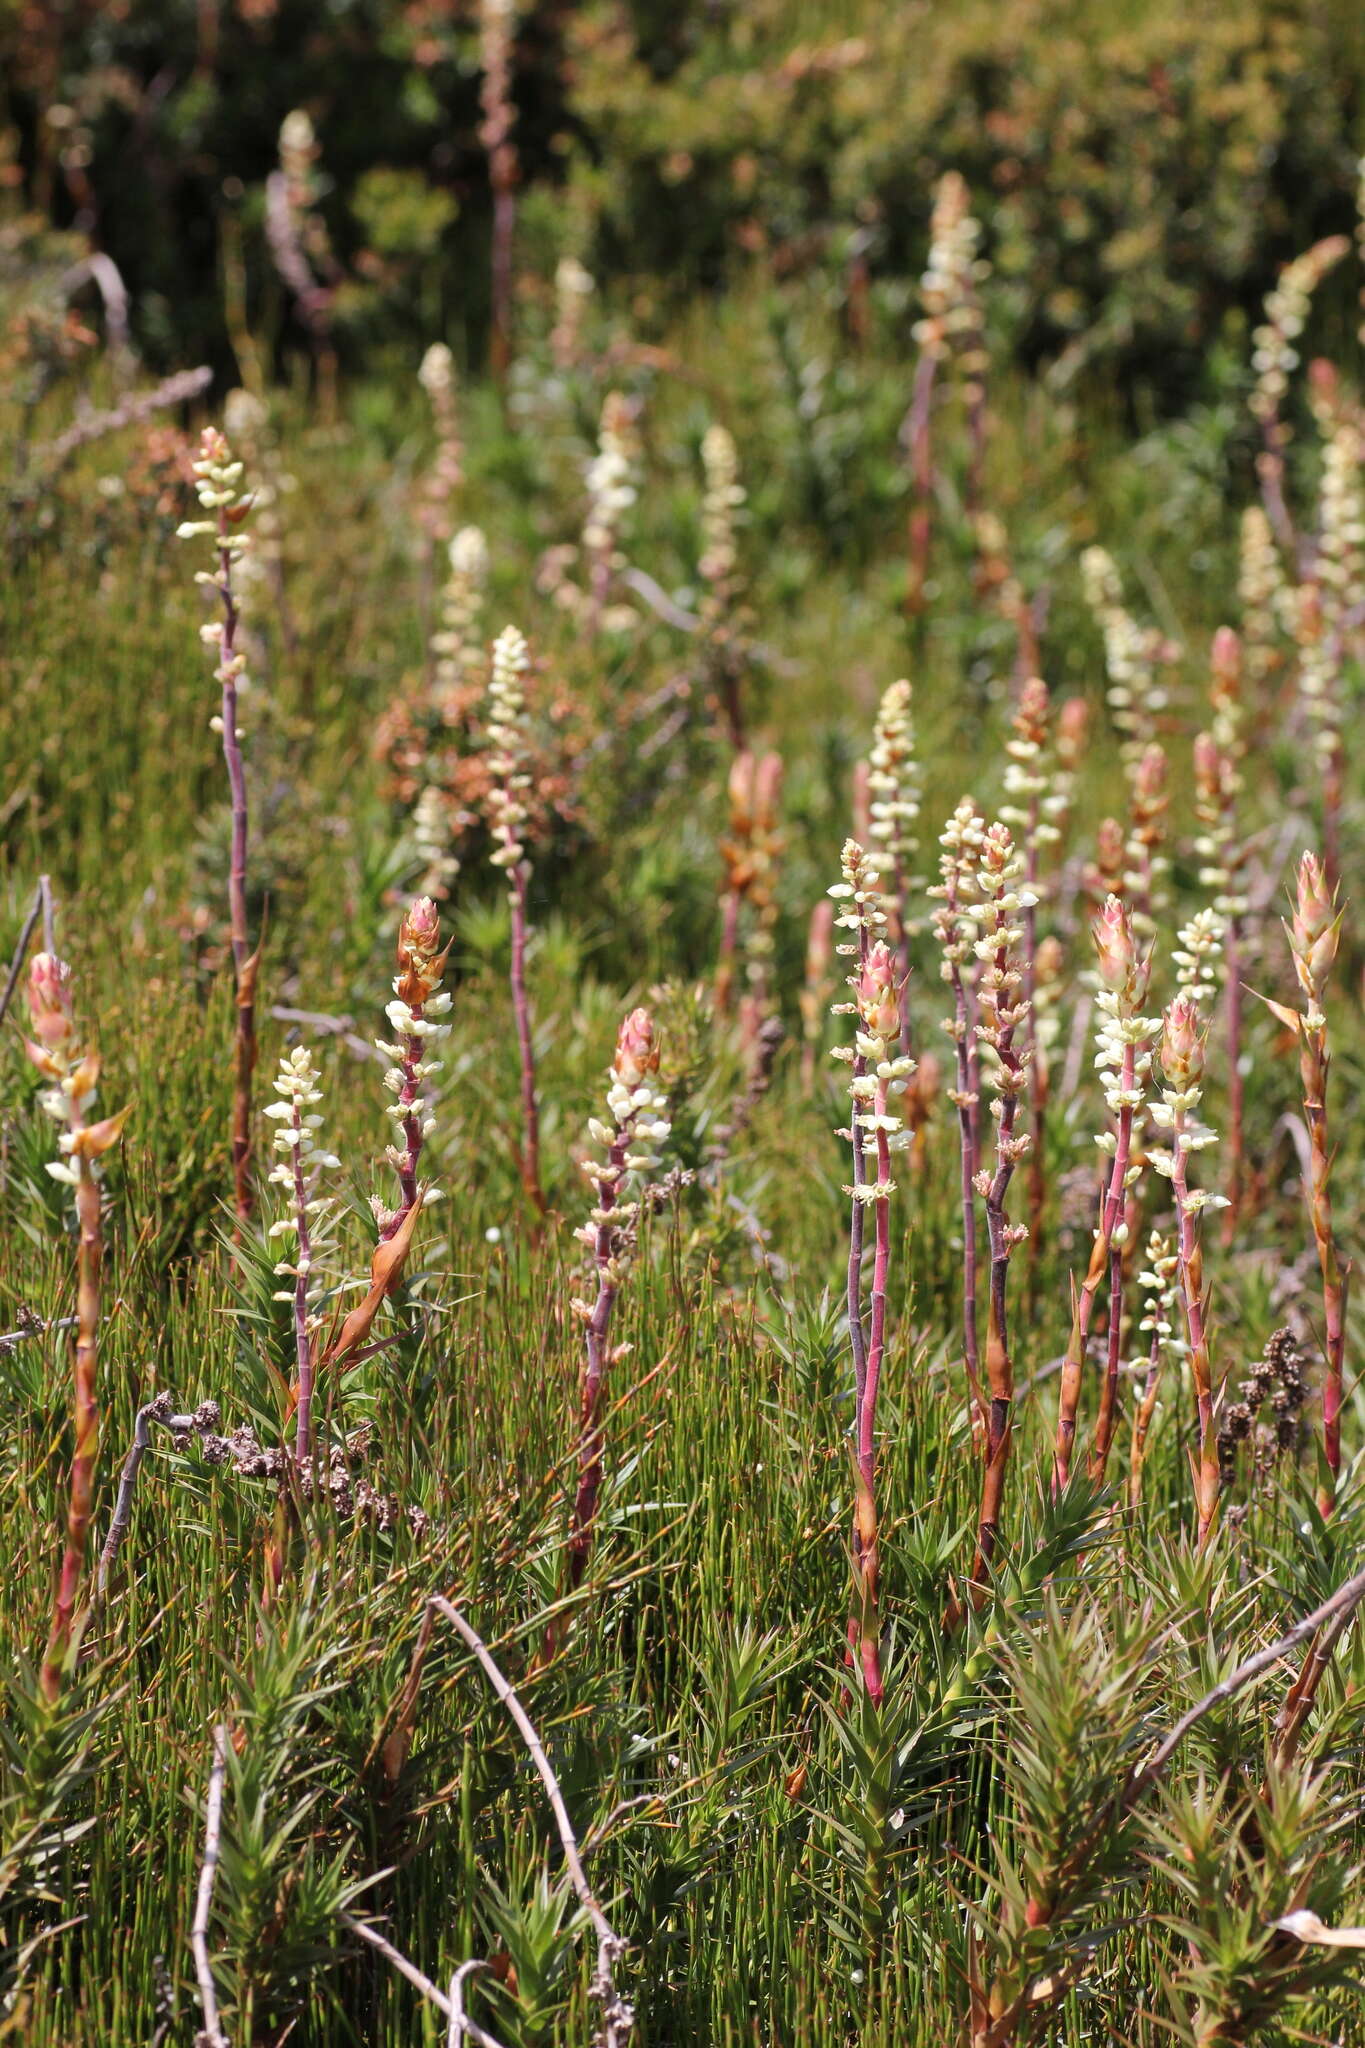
884, 1073
1182, 1064
218, 483
1314, 938
953, 929
636, 1109
72, 1077
507, 815
1123, 1058
1004, 1007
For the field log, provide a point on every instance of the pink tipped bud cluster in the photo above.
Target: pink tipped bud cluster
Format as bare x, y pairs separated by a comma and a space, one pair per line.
948, 286
881, 1070
1125, 1036
894, 784
722, 501
1274, 357
1314, 934
419, 1003
72, 1075
508, 753
631, 1135
301, 1163
1184, 1034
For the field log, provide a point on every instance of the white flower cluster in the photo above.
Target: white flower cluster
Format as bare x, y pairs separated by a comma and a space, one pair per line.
1337, 587
1036, 797
1159, 1281
894, 782
954, 268
1182, 1060
1264, 595
457, 644
860, 897
436, 372
68, 1103
1273, 355
507, 746
723, 497
300, 1164
1198, 956
611, 481
431, 842
574, 287
885, 1071
1132, 655
218, 481
961, 840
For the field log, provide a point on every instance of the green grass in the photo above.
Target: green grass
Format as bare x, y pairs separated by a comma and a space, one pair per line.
802, 1872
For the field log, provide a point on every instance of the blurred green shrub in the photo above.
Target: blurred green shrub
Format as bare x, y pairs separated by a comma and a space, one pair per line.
1141, 168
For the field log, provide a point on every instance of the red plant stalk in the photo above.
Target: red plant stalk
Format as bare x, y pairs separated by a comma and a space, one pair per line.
885, 1073
1183, 1038
1314, 938
496, 18
1003, 1009
218, 482
73, 1077
508, 813
961, 839
638, 1123
1124, 1059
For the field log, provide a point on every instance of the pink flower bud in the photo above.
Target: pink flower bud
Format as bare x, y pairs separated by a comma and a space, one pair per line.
1316, 929
1226, 661
1150, 780
419, 961
1182, 1043
49, 1000
877, 1003
1207, 765
1072, 723
768, 789
1030, 718
636, 1053
819, 939
1114, 943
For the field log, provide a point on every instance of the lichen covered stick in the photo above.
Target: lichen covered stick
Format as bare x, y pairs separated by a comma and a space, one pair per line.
72, 1076
218, 486
638, 1123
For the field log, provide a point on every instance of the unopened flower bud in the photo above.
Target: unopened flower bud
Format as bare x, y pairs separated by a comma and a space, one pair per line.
49, 1000
1182, 1043
636, 1053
